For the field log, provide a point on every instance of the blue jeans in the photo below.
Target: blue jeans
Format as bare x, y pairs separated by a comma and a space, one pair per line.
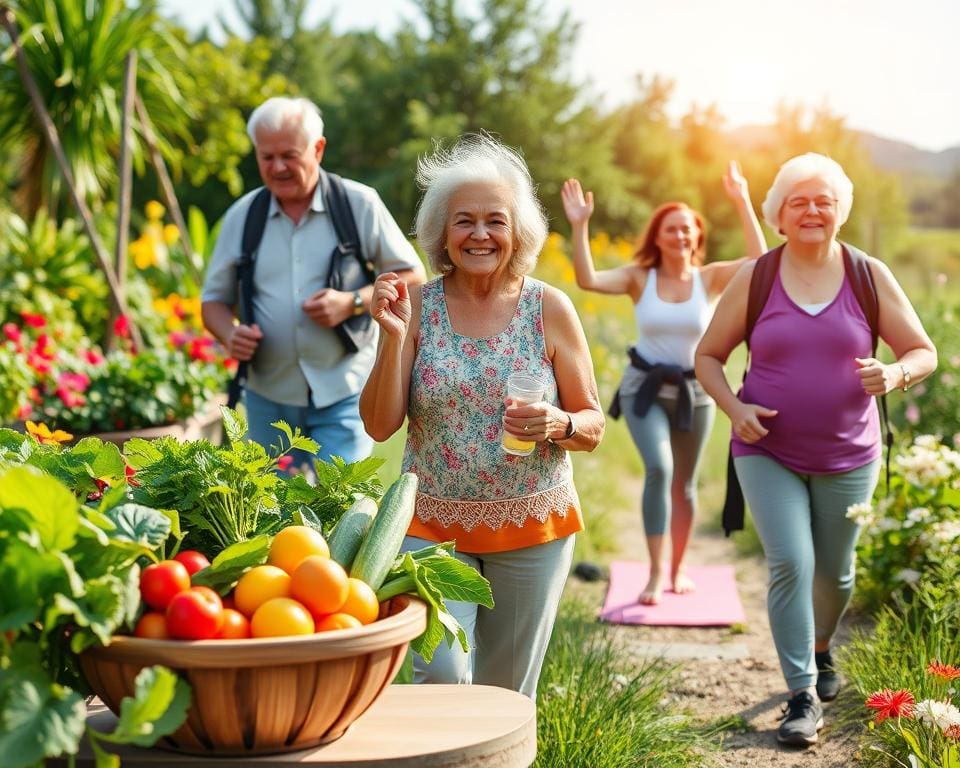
337, 428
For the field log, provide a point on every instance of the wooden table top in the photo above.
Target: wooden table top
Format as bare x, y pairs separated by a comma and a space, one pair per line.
422, 726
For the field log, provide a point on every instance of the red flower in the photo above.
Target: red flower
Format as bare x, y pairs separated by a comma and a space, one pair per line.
179, 338
93, 357
121, 327
891, 704
129, 472
202, 349
230, 363
70, 398
42, 347
946, 671
34, 321
24, 412
284, 462
12, 332
38, 362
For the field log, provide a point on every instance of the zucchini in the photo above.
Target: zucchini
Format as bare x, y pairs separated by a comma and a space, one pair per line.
382, 544
350, 531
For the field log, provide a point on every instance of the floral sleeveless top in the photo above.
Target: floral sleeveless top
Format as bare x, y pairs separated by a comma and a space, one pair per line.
470, 489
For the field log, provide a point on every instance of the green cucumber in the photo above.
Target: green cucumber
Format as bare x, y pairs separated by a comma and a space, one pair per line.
350, 530
382, 544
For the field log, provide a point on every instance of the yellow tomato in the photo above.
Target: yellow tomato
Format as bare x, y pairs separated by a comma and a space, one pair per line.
319, 583
258, 585
361, 601
334, 621
293, 544
280, 617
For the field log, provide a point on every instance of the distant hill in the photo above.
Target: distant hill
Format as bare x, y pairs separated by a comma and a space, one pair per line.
888, 154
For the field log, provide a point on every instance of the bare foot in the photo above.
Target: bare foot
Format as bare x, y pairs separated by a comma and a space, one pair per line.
683, 584
652, 592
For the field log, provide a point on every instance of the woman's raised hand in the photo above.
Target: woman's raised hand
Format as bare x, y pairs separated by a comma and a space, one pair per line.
577, 206
390, 305
734, 182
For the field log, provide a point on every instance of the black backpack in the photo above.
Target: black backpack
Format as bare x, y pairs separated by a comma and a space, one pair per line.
857, 267
349, 270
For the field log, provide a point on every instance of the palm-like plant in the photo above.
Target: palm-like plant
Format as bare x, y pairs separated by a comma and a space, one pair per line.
75, 51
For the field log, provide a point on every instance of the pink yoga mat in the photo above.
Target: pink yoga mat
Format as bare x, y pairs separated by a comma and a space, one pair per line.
714, 603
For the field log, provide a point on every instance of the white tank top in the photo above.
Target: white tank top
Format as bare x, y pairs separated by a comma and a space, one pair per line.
668, 332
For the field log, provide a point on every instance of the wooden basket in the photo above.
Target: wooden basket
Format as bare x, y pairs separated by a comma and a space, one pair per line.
267, 695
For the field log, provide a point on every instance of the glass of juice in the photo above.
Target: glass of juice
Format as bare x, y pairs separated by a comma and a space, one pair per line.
522, 389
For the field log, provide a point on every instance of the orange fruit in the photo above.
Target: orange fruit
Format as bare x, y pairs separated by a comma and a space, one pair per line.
361, 602
281, 617
321, 584
293, 544
235, 626
258, 585
336, 621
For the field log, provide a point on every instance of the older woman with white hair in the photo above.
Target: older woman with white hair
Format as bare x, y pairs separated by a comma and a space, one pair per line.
446, 351
806, 434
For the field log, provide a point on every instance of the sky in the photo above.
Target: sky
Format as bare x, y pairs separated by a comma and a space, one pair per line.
888, 66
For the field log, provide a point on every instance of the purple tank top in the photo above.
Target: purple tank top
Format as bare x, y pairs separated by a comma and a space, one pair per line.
802, 366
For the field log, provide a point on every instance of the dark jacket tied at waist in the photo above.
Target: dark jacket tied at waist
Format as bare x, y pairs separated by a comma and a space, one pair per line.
657, 376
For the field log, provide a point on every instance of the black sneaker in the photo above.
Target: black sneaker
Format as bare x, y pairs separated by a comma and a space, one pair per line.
803, 717
828, 681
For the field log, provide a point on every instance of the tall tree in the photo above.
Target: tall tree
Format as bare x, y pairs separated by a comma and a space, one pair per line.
75, 51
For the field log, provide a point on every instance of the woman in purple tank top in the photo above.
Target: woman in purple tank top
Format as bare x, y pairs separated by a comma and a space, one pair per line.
806, 436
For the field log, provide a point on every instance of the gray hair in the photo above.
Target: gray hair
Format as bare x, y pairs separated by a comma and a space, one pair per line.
278, 111
805, 168
478, 158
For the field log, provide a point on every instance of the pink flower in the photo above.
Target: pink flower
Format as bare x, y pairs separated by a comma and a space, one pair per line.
453, 461
429, 376
78, 382
93, 357
466, 391
491, 433
490, 371
178, 338
470, 349
284, 462
70, 398
492, 343
891, 704
24, 412
12, 332
434, 318
912, 414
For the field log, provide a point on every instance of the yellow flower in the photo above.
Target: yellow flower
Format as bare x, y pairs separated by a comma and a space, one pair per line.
170, 234
42, 434
155, 210
143, 252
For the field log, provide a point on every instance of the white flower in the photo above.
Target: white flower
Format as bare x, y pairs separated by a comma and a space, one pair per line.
941, 714
861, 514
918, 514
930, 442
908, 576
946, 531
619, 682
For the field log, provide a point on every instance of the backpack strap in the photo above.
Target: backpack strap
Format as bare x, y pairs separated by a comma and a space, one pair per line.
345, 225
857, 266
761, 283
253, 227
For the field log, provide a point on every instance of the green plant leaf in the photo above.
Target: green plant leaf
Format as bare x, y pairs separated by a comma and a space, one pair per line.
94, 615
38, 718
27, 578
157, 708
230, 565
456, 580
49, 506
139, 524
234, 424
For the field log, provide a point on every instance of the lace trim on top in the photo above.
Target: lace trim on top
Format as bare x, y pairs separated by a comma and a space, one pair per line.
498, 513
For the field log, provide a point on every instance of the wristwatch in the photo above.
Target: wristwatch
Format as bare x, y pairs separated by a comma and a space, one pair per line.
571, 428
907, 378
358, 308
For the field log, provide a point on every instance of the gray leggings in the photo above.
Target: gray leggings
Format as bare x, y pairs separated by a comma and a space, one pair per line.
670, 458
507, 644
809, 544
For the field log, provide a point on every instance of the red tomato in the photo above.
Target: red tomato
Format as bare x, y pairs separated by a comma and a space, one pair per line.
159, 582
196, 614
193, 561
152, 625
236, 626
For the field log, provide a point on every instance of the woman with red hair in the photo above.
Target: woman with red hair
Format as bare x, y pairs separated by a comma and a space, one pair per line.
668, 413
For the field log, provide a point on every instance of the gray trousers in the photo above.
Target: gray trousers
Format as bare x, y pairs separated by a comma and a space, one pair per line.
810, 546
671, 458
507, 644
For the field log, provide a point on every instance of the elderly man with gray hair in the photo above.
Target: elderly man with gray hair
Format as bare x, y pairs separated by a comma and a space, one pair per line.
303, 363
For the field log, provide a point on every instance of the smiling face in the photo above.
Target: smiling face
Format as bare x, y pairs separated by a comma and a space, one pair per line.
289, 165
809, 213
678, 236
480, 237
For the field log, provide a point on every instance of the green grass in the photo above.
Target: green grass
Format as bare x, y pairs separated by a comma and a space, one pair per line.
598, 708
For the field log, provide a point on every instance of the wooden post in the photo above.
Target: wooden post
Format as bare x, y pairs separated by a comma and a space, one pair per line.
126, 177
50, 131
166, 188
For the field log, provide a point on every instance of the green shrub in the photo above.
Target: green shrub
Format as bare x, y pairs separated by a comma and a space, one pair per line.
596, 709
917, 628
915, 527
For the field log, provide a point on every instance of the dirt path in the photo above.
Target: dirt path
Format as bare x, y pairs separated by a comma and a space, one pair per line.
751, 688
